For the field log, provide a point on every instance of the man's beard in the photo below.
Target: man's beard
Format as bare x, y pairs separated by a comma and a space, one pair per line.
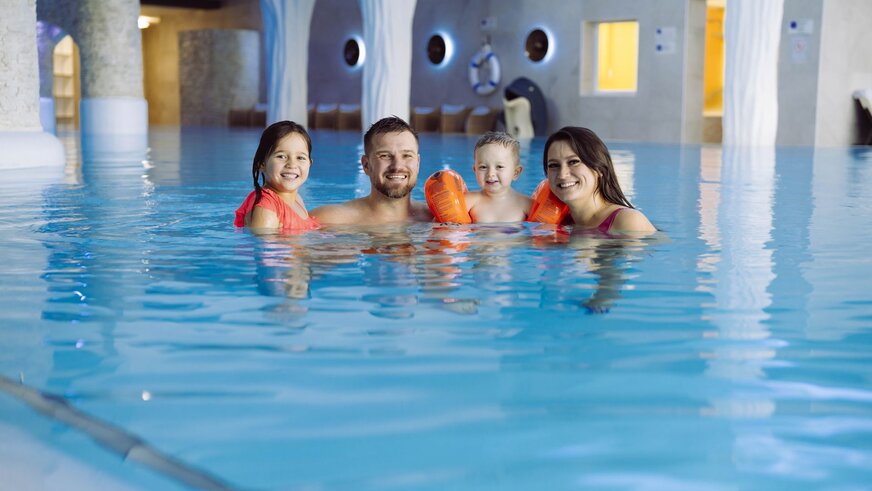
394, 192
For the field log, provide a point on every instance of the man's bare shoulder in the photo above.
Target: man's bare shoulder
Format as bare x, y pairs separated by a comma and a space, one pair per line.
344, 213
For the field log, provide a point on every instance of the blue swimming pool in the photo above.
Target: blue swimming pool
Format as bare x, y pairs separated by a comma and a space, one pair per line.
731, 351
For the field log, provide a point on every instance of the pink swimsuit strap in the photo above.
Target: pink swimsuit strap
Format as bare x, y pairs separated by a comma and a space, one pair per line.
607, 223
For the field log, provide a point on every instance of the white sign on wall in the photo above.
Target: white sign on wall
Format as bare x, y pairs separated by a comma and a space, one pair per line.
664, 40
800, 26
799, 49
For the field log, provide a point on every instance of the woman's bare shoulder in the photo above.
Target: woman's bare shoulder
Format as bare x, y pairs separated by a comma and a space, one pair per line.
632, 220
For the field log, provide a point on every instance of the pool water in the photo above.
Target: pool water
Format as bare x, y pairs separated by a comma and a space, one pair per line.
732, 350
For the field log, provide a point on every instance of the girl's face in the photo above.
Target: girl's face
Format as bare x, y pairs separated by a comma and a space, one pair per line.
287, 167
570, 179
495, 168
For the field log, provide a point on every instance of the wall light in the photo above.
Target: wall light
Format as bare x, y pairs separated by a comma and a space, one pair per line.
539, 45
354, 52
144, 21
440, 49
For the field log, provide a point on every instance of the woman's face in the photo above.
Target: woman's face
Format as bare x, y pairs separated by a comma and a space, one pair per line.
287, 167
569, 178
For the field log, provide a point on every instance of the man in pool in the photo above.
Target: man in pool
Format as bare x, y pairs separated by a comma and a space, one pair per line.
391, 161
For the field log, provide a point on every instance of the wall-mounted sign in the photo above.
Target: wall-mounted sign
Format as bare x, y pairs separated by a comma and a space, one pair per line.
799, 49
664, 40
800, 26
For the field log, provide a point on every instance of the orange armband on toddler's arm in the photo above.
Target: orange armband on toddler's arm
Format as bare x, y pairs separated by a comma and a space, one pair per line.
546, 207
444, 191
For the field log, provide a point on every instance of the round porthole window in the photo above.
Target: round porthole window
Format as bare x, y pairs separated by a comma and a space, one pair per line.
351, 53
436, 49
537, 45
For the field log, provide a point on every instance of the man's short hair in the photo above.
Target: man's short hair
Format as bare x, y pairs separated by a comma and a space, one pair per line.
390, 124
500, 138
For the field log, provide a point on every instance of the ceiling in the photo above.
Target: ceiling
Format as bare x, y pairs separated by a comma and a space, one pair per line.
188, 4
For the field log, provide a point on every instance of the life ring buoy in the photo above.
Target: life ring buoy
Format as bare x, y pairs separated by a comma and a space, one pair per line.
444, 191
485, 57
546, 207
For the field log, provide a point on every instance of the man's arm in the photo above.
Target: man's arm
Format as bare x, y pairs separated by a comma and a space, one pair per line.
335, 214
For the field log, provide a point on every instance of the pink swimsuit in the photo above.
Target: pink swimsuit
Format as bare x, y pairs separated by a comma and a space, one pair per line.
607, 223
271, 201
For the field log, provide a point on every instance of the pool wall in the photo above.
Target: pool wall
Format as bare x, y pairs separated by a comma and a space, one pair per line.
816, 79
815, 84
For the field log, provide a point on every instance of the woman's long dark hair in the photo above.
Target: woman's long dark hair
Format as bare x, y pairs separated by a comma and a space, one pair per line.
595, 155
268, 141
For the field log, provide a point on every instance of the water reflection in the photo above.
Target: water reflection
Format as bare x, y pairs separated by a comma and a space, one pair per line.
736, 210
745, 267
405, 270
840, 225
709, 204
88, 286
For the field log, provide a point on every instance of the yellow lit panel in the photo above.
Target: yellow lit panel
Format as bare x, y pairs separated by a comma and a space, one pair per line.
713, 79
617, 56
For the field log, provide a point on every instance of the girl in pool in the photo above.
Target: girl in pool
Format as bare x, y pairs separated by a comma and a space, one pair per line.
279, 168
580, 172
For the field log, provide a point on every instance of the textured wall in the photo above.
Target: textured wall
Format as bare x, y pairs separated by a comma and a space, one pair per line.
659, 111
666, 107
160, 50
110, 48
655, 111
330, 80
449, 83
19, 90
218, 71
798, 76
387, 73
846, 65
694, 72
110, 45
47, 36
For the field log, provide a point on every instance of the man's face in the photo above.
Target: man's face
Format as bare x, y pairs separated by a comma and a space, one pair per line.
392, 164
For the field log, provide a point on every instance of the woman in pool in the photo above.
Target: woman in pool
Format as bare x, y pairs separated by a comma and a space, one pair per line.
580, 173
279, 168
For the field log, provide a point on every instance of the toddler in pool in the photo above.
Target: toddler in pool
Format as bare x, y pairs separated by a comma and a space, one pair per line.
497, 164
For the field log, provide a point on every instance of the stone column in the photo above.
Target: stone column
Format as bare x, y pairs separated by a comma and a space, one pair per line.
47, 37
752, 32
22, 140
110, 47
387, 72
286, 29
218, 72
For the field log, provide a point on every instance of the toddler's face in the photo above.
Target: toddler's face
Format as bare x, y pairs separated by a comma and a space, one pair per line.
287, 167
495, 168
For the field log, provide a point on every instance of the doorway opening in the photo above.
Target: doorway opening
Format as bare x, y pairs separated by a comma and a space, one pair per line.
713, 77
66, 85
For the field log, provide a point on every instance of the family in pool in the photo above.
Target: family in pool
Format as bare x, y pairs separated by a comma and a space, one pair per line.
577, 164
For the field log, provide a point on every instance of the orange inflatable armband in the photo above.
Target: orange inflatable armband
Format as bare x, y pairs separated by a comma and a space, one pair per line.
444, 192
546, 207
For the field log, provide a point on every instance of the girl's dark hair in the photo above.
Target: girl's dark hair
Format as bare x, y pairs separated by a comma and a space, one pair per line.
595, 155
268, 141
